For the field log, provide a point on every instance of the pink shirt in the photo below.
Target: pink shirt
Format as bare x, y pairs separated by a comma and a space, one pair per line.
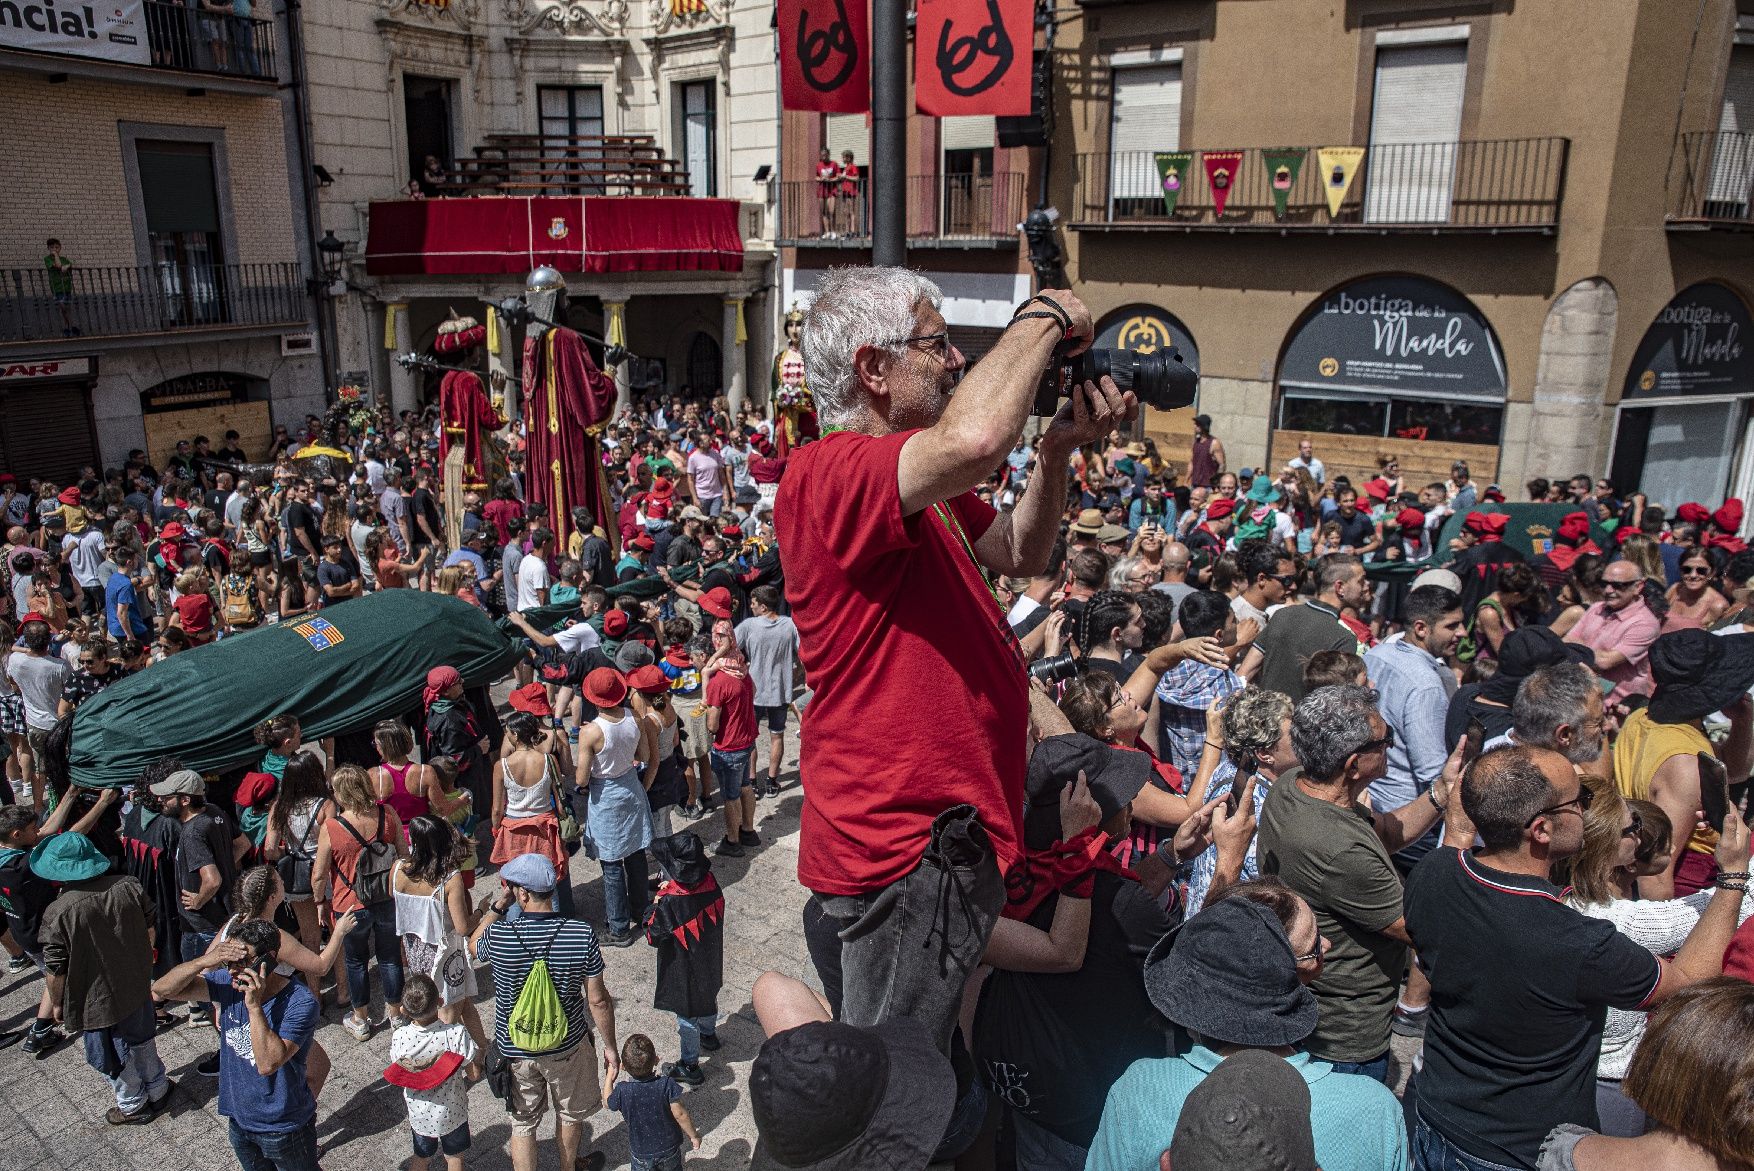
1629, 631
707, 470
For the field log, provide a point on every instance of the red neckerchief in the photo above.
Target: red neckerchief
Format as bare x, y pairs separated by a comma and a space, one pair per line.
1728, 542
1564, 556
1064, 866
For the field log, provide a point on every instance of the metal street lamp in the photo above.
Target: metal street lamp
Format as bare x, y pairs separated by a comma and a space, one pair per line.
331, 252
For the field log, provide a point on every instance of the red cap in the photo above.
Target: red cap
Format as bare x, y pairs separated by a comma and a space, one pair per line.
605, 687
69, 496
1220, 508
1574, 528
615, 623
1692, 513
649, 680
1493, 493
643, 542
532, 698
1377, 490
717, 602
1729, 517
33, 616
173, 531
731, 531
256, 789
663, 487
1411, 518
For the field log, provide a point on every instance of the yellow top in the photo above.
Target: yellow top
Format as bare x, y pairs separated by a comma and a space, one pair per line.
1643, 747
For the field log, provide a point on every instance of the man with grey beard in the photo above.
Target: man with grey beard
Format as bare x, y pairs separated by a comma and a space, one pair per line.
1560, 707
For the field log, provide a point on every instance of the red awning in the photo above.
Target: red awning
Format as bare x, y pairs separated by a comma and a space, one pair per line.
450, 237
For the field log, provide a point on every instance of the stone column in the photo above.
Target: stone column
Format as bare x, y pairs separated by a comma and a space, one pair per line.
398, 329
731, 352
615, 332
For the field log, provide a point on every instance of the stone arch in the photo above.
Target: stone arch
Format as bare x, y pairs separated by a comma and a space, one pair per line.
1565, 429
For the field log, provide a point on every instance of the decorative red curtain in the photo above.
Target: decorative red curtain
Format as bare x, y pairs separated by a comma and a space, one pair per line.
595, 234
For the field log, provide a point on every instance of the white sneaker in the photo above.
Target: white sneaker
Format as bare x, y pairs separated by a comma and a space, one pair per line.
358, 1029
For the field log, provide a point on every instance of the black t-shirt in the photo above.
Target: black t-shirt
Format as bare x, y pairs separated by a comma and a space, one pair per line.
333, 573
1465, 705
1293, 634
1478, 567
1053, 1045
1520, 986
149, 854
1356, 532
206, 841
423, 505
300, 517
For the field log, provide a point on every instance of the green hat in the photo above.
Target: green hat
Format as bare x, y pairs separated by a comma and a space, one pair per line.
68, 857
1264, 491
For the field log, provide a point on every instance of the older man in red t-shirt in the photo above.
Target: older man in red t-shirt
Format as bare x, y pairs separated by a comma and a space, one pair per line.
915, 740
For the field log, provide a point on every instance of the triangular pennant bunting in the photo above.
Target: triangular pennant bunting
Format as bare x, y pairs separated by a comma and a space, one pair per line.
1172, 175
1282, 170
1221, 167
1339, 164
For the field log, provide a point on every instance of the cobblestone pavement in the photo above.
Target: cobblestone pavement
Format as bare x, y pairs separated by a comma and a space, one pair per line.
51, 1110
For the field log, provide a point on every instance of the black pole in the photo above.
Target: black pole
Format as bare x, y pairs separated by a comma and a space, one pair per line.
888, 182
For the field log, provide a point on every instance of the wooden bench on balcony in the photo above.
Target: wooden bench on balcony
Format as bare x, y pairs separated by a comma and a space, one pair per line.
582, 164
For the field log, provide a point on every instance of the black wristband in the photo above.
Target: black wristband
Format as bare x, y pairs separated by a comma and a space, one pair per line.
1049, 305
1045, 316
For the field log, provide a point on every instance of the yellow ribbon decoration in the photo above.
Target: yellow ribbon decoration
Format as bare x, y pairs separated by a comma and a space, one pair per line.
742, 325
615, 329
492, 330
390, 311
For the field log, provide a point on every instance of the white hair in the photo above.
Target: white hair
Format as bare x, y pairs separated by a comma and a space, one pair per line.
857, 307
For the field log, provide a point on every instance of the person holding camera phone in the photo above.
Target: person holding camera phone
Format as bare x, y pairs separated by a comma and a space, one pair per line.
907, 650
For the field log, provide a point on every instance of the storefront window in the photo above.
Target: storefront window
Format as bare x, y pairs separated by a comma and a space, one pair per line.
1334, 416
1451, 422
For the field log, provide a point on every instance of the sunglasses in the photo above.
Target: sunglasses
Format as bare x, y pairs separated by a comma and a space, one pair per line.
1614, 587
1385, 742
1289, 580
1632, 830
1583, 801
1695, 572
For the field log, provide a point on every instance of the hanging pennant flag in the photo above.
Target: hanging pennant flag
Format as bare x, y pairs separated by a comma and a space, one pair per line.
1221, 167
1172, 175
973, 56
825, 61
1282, 169
1339, 164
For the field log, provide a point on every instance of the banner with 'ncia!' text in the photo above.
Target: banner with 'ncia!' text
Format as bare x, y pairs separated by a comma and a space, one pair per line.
111, 31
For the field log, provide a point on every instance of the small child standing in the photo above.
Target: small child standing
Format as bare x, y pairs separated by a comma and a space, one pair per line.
657, 1121
433, 1063
686, 923
730, 717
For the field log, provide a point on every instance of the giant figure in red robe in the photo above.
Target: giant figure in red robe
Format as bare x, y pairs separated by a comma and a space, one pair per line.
466, 413
567, 403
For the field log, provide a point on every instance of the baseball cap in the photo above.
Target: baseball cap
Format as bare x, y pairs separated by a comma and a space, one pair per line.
1439, 577
1252, 1111
183, 781
533, 872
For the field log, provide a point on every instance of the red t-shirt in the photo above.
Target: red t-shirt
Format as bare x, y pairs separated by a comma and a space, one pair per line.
734, 696
499, 513
921, 701
196, 611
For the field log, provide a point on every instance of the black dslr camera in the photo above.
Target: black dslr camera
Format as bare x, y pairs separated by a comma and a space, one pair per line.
1160, 379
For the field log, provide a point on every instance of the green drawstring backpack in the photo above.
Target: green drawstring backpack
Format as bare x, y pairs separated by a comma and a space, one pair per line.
537, 1023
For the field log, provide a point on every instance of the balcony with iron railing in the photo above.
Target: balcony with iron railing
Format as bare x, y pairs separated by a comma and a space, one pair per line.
1711, 182
943, 211
1497, 186
185, 38
166, 298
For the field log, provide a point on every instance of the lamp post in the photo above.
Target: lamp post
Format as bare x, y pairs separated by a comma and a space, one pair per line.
331, 256
331, 252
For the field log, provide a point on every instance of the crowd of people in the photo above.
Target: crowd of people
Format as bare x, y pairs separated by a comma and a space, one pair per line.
1143, 804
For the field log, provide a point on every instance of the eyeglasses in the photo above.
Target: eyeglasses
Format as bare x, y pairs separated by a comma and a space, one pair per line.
938, 343
1312, 956
1695, 572
1583, 800
1141, 578
1385, 742
1632, 830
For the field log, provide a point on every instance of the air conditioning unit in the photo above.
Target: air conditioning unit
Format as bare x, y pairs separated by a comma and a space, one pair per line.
298, 345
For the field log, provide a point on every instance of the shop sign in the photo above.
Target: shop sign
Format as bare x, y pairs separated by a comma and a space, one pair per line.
194, 390
1698, 345
115, 31
1145, 329
17, 370
1396, 334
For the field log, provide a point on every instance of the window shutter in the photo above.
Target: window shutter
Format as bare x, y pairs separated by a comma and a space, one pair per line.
1416, 118
176, 184
1147, 117
1732, 162
847, 132
46, 431
970, 132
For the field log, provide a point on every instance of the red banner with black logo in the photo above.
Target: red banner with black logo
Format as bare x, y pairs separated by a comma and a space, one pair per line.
973, 56
825, 55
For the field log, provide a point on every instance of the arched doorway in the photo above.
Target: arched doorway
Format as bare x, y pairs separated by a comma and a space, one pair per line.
1147, 329
705, 369
1681, 427
1394, 365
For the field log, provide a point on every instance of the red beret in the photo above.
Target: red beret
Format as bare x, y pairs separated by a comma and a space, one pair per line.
1476, 522
645, 543
1410, 518
1692, 513
1220, 508
615, 623
1376, 489
1575, 527
256, 789
1729, 517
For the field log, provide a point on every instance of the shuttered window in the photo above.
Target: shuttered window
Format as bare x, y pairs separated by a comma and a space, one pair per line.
176, 184
969, 132
1147, 117
847, 132
1732, 161
1416, 118
46, 431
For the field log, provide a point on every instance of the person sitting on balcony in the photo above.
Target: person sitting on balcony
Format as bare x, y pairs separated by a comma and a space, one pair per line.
851, 187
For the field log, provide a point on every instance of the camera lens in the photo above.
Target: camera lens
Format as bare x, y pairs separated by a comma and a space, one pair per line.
1160, 379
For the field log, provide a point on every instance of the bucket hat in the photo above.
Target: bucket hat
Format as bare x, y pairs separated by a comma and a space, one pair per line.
1229, 974
1696, 674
